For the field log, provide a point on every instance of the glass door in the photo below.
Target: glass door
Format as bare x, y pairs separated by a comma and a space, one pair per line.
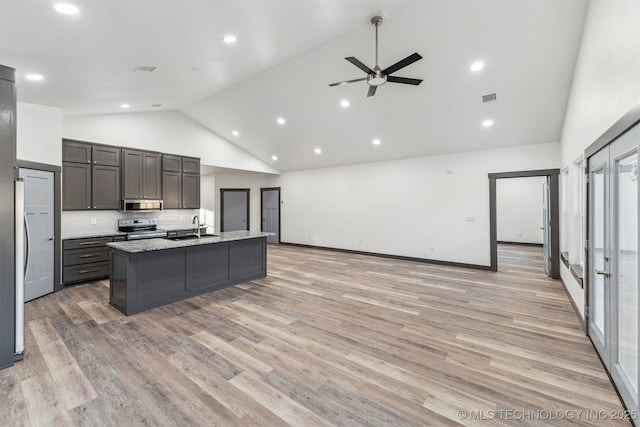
598, 257
613, 261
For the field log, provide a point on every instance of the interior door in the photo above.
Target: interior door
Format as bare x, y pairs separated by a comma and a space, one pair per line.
546, 228
235, 209
613, 261
39, 232
271, 213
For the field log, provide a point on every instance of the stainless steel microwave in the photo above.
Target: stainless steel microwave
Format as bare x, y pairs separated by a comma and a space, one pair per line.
141, 205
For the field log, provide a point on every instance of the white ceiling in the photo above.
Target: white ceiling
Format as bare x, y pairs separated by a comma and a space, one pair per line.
286, 54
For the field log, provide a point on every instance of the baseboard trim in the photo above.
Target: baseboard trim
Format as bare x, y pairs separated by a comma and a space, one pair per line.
575, 307
519, 243
398, 257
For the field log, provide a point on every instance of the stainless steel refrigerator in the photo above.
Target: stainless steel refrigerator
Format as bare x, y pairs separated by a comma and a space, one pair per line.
10, 326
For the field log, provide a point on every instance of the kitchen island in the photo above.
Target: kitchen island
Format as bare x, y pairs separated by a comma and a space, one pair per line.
145, 274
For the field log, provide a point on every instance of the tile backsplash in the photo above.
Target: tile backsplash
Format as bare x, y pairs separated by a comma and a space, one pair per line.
105, 222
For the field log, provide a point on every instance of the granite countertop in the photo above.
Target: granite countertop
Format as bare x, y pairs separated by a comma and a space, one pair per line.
91, 235
147, 245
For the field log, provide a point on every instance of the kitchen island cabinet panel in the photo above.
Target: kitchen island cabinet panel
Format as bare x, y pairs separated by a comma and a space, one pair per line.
207, 267
160, 277
246, 259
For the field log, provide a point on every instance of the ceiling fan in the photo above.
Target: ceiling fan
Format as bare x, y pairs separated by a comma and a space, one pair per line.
378, 77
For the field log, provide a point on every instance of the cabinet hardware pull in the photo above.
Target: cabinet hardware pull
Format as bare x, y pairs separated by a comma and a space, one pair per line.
87, 271
87, 243
603, 273
89, 256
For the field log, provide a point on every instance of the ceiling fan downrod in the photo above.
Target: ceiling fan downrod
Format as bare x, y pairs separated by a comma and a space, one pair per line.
378, 78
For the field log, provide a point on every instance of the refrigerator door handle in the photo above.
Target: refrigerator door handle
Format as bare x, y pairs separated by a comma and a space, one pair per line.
20, 266
27, 244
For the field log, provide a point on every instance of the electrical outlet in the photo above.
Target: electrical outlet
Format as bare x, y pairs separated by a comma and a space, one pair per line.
471, 219
93, 221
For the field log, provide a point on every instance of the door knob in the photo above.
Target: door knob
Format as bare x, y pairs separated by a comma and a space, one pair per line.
51, 237
603, 273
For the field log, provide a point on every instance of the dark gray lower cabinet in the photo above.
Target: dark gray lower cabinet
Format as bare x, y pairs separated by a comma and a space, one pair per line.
145, 280
85, 259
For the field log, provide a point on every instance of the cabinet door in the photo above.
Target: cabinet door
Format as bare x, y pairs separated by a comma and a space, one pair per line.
76, 151
132, 162
171, 163
172, 190
106, 156
106, 187
152, 179
76, 186
190, 191
190, 165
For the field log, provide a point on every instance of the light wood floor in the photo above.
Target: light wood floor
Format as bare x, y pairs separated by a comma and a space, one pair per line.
327, 338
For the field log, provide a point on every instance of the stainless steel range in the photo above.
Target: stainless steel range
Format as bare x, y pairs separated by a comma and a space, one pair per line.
141, 228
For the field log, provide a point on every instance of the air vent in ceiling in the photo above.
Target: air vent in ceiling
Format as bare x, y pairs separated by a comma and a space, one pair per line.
156, 105
146, 68
489, 98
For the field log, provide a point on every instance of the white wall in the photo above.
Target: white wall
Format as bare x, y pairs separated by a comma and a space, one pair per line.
164, 131
408, 207
606, 85
39, 134
519, 208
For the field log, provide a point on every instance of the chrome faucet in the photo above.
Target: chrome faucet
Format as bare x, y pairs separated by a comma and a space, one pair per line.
196, 220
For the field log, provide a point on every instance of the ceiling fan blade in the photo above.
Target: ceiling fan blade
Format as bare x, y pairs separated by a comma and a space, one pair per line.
347, 81
401, 64
372, 91
360, 65
404, 80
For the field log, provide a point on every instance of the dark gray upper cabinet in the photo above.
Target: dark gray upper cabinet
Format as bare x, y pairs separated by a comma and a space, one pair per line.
105, 155
90, 176
190, 165
171, 163
191, 191
76, 186
76, 151
180, 182
105, 187
142, 174
172, 189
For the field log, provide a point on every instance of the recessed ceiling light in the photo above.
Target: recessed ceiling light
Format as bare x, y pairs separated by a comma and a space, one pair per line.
235, 132
487, 123
281, 121
344, 103
34, 77
125, 105
274, 157
317, 151
229, 38
376, 141
66, 8
477, 66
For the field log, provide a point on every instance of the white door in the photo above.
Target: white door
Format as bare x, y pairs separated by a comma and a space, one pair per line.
613, 259
39, 232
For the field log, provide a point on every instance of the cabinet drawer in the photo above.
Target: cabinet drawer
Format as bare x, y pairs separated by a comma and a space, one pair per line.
85, 243
85, 256
85, 272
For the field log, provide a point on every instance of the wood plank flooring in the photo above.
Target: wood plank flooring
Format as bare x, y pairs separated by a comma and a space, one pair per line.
328, 338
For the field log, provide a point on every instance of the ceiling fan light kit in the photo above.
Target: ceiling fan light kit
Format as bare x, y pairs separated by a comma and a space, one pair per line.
377, 76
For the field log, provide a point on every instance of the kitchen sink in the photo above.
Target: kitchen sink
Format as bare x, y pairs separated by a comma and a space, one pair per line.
189, 237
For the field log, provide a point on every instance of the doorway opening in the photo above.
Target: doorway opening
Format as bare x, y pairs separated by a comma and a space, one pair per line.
550, 213
270, 213
234, 209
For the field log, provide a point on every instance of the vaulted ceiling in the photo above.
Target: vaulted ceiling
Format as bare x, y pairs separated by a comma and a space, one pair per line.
286, 54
